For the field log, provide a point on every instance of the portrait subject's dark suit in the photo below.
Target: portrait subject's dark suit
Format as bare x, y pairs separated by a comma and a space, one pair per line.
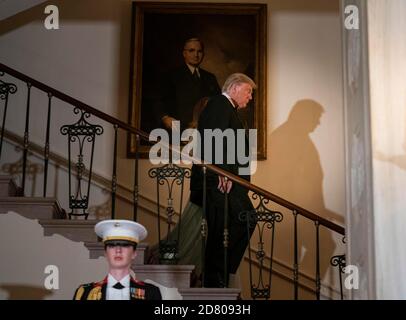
180, 91
221, 114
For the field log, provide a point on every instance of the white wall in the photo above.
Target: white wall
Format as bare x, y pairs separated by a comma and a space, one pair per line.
387, 51
305, 168
26, 253
305, 63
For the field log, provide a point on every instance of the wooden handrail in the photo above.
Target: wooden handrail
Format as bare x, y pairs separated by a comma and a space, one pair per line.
74, 102
278, 200
70, 100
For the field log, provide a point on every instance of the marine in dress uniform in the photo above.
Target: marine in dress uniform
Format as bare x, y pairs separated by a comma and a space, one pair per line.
120, 238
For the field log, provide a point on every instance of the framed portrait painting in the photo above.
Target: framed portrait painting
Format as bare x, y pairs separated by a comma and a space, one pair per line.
232, 38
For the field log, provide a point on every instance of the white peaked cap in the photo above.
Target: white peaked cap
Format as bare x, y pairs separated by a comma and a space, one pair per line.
120, 230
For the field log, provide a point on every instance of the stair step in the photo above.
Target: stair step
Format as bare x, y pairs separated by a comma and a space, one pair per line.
8, 187
96, 250
33, 208
76, 230
171, 276
209, 293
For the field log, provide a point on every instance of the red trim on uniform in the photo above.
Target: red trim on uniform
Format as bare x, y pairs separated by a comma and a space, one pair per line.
137, 281
101, 283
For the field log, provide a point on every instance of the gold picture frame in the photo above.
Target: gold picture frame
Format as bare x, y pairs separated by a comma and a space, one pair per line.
235, 40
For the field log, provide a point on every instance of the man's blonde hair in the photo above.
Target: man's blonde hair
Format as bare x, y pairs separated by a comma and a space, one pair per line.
237, 78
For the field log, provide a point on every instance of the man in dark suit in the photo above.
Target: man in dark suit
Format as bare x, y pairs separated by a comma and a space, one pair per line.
184, 86
221, 113
120, 239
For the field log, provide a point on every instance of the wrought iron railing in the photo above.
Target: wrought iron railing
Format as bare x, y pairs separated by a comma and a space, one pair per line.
169, 176
5, 90
81, 132
261, 218
339, 262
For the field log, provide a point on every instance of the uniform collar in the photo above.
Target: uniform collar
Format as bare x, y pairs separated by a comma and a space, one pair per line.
111, 281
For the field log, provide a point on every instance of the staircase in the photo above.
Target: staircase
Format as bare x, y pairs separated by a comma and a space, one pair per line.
53, 220
9, 8
270, 209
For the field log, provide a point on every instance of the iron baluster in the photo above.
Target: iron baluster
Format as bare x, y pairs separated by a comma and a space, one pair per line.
27, 124
275, 217
339, 261
295, 258
5, 90
80, 132
225, 234
4, 120
46, 149
71, 206
135, 192
318, 283
259, 218
169, 215
159, 215
180, 212
203, 228
250, 259
114, 178
168, 175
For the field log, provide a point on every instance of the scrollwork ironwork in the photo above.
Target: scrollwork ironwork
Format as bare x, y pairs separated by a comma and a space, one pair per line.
82, 127
168, 251
169, 175
338, 261
81, 132
260, 293
6, 89
261, 218
170, 170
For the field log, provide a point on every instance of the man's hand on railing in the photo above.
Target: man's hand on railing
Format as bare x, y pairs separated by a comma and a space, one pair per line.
224, 185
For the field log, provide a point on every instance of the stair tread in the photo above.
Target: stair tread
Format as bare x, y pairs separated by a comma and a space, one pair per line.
33, 207
68, 222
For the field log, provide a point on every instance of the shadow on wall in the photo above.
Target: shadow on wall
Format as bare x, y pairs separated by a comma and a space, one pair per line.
296, 175
19, 292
